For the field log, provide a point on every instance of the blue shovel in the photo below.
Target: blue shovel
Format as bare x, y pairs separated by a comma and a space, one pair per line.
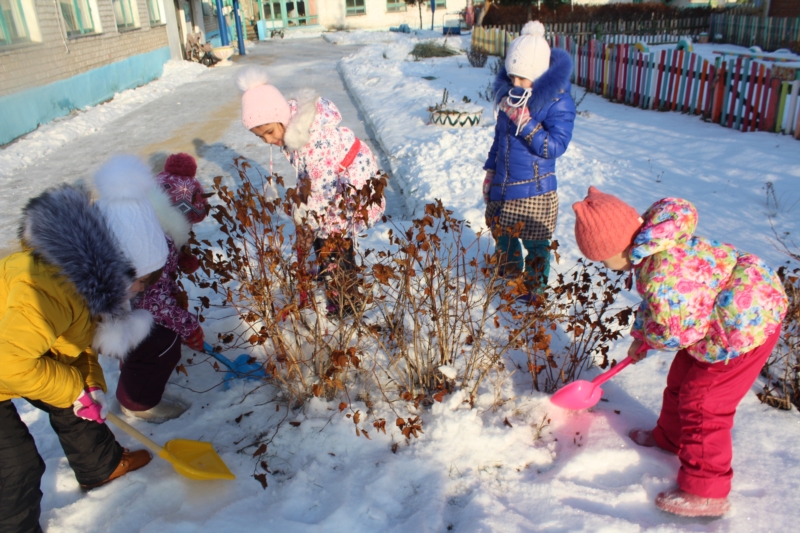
241, 368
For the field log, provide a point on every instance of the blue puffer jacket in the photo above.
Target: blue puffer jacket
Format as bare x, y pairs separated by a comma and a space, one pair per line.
525, 164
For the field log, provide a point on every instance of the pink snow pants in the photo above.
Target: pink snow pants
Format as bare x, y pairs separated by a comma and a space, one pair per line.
697, 416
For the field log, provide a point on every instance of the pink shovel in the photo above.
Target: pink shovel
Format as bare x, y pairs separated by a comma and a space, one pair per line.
584, 394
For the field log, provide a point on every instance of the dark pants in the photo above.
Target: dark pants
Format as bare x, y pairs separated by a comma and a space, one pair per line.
145, 371
337, 269
91, 450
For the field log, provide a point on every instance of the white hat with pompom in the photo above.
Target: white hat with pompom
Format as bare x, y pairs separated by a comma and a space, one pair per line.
123, 184
529, 54
262, 103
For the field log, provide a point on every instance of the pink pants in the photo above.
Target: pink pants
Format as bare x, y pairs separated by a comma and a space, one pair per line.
697, 416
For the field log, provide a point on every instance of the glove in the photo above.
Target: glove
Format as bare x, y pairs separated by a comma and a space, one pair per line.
188, 263
195, 340
91, 405
487, 185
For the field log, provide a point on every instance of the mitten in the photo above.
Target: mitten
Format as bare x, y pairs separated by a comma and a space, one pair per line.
91, 405
195, 340
487, 185
188, 263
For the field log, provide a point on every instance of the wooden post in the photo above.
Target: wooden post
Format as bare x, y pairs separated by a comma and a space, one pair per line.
657, 99
717, 95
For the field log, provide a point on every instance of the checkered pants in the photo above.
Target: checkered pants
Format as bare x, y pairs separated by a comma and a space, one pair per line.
538, 216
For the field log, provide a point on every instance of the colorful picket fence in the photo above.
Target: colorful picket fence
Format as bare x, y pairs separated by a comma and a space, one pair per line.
769, 33
740, 93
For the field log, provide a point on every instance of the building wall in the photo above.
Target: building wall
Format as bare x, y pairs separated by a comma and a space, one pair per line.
43, 80
333, 15
784, 8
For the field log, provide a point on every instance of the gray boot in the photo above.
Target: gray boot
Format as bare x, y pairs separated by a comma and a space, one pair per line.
165, 410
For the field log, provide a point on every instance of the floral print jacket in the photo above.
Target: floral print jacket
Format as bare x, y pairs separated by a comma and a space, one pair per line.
162, 302
316, 145
709, 298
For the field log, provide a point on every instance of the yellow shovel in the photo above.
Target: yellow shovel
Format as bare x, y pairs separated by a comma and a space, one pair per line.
190, 458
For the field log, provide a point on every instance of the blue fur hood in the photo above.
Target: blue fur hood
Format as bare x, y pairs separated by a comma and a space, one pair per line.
61, 227
546, 88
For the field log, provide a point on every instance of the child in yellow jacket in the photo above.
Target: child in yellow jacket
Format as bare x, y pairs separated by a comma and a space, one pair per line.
63, 297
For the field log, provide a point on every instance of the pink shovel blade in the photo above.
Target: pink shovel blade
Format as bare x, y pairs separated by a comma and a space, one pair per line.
582, 394
577, 395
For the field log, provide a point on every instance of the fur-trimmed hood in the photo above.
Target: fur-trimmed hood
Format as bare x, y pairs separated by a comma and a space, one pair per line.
545, 88
304, 111
61, 227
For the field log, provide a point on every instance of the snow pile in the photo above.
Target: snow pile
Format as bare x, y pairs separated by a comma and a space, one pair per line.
91, 120
362, 37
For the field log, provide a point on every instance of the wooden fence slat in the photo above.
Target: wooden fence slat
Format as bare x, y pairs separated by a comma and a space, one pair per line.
781, 106
748, 102
740, 93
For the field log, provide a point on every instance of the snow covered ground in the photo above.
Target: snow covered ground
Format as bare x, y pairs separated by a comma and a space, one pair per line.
469, 471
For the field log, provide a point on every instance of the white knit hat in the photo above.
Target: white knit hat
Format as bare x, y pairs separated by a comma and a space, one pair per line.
122, 184
529, 54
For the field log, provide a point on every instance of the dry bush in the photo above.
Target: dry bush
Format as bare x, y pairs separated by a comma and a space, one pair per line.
430, 312
782, 370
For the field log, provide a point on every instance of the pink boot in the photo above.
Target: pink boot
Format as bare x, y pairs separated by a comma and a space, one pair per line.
681, 503
643, 437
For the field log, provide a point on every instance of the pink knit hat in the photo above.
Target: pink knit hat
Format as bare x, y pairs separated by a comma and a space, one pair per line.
261, 103
183, 189
604, 225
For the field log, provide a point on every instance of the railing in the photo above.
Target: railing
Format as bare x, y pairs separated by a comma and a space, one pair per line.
742, 93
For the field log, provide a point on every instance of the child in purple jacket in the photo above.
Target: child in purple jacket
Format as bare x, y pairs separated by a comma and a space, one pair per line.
145, 371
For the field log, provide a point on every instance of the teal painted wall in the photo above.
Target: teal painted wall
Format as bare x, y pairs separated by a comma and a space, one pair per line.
26, 110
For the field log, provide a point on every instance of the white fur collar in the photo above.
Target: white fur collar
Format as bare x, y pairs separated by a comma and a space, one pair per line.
173, 222
298, 131
117, 336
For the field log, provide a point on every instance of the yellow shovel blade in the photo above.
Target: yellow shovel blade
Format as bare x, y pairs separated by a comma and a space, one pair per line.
195, 460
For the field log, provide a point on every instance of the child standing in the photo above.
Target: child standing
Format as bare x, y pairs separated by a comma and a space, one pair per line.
535, 118
331, 164
62, 299
144, 372
720, 308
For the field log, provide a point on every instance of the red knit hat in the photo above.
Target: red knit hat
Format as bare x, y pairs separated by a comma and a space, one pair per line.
604, 225
183, 189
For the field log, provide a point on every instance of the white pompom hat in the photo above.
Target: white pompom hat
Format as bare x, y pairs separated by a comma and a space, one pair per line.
262, 103
529, 54
122, 184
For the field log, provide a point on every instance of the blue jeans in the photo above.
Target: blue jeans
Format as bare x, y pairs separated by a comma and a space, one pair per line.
536, 264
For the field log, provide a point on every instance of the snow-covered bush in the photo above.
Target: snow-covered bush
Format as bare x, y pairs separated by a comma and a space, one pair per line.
431, 313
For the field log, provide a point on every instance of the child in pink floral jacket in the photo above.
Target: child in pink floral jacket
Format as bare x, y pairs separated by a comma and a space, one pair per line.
330, 161
720, 308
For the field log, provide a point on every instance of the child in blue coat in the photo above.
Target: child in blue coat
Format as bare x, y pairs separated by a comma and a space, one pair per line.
535, 118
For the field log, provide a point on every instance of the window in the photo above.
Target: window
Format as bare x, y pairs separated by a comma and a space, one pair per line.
127, 14
17, 22
356, 7
440, 4
394, 6
156, 10
80, 17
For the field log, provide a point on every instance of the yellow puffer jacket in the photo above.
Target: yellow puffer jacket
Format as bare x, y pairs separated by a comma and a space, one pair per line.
70, 273
45, 334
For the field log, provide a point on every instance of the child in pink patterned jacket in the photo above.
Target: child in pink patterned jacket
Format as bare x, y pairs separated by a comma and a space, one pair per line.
144, 372
330, 161
720, 308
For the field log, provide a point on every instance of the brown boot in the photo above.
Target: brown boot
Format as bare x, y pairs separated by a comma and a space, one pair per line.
130, 461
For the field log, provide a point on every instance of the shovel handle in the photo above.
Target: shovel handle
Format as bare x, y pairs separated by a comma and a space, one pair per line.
605, 376
208, 349
133, 432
